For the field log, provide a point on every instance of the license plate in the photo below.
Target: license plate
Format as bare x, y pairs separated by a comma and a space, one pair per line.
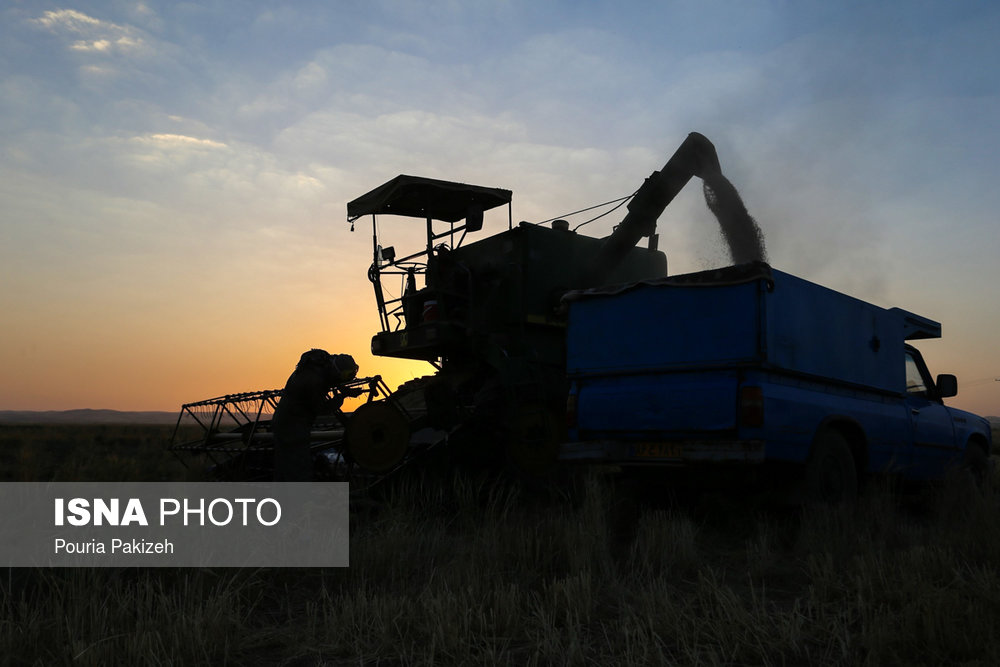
658, 450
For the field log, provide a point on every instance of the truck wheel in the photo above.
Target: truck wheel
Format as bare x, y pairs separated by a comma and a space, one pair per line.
830, 476
976, 463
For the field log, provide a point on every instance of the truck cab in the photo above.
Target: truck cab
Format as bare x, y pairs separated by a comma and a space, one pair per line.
939, 433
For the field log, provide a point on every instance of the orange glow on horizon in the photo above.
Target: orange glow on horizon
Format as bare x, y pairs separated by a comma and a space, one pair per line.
114, 360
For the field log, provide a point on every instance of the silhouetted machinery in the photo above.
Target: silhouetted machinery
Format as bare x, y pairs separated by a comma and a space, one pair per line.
486, 314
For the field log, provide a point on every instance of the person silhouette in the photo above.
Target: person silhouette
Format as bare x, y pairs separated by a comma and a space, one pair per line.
303, 398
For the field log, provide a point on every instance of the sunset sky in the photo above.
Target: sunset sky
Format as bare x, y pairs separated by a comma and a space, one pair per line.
174, 176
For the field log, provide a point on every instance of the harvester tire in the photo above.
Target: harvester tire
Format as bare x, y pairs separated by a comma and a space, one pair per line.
377, 436
411, 395
830, 475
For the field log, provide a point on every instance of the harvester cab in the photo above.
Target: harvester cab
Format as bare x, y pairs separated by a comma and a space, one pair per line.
432, 288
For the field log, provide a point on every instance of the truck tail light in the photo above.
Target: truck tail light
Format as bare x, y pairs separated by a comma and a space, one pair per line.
751, 407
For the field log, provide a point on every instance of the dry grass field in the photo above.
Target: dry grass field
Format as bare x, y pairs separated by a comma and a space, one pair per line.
449, 569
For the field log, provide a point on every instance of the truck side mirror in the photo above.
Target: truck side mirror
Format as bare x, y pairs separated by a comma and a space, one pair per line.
474, 218
947, 386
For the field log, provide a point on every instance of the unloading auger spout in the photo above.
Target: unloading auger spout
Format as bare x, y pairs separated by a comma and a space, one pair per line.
696, 156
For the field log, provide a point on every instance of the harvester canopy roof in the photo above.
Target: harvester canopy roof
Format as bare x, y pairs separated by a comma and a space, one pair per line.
424, 198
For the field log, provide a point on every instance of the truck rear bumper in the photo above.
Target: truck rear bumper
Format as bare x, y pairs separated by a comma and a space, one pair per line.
687, 452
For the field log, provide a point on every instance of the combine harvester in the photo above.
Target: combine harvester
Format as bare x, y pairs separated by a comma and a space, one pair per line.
487, 314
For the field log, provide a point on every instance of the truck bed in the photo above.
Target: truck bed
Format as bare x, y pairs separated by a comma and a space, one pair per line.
745, 316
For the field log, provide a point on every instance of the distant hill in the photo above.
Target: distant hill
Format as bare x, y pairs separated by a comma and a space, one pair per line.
85, 417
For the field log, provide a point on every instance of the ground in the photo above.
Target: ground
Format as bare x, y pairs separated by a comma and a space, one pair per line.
468, 569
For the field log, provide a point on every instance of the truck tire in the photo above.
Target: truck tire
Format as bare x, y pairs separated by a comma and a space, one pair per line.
977, 463
830, 475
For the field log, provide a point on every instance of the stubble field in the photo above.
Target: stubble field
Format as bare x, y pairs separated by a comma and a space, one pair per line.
468, 569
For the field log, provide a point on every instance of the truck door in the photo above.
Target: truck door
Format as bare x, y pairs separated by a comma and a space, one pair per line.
933, 434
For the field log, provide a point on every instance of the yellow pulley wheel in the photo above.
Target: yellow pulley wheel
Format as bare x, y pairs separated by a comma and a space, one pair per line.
377, 436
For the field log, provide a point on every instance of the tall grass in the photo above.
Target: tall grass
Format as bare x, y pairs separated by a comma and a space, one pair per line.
469, 569
88, 453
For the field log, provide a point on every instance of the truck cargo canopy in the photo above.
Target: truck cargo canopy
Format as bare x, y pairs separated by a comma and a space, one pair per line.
419, 197
917, 327
739, 317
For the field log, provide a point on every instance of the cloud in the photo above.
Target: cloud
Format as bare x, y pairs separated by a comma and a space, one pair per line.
383, 79
102, 63
68, 19
123, 44
99, 37
101, 45
178, 140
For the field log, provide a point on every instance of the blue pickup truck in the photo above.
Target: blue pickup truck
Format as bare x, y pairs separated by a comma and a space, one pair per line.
751, 367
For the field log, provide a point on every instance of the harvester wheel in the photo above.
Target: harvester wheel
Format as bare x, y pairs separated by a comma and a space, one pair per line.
377, 436
411, 395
